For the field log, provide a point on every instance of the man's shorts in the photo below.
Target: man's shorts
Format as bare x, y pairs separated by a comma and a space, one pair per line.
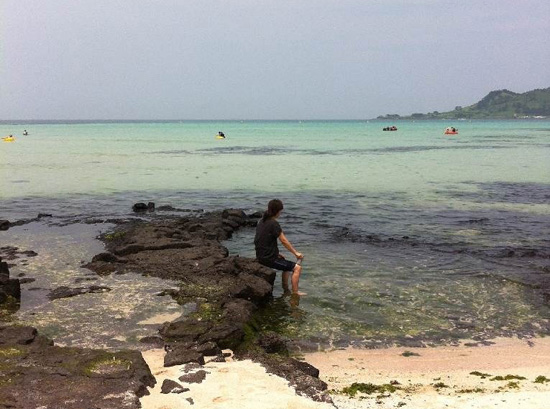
280, 264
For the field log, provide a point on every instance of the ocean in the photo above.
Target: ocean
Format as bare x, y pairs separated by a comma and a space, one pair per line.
409, 237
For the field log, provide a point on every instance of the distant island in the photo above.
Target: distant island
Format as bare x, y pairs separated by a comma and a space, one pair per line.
501, 104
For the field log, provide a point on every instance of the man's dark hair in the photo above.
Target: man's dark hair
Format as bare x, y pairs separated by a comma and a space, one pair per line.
273, 207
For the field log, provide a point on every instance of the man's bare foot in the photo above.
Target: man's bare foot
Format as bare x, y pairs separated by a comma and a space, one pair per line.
299, 293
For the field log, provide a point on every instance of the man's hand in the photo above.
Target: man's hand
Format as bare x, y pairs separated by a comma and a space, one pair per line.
299, 255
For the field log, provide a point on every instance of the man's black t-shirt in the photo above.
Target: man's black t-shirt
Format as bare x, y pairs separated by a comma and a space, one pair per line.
265, 241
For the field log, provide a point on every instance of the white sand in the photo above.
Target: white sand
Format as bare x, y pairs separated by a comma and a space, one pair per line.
449, 365
229, 385
246, 385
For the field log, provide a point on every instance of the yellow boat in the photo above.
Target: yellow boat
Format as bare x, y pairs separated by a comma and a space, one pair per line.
8, 139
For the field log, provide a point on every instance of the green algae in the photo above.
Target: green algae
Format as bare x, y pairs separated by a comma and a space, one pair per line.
440, 385
368, 388
476, 390
541, 379
407, 354
107, 364
208, 312
508, 378
114, 236
480, 374
10, 352
512, 385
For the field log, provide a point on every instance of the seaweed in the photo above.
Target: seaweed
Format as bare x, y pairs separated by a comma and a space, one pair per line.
507, 378
368, 388
480, 374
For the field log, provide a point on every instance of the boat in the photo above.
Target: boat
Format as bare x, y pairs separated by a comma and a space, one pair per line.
8, 139
390, 128
451, 131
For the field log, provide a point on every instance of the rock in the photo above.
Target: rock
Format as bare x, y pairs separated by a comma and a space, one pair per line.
196, 377
182, 356
235, 213
190, 400
169, 386
251, 287
219, 358
108, 258
4, 224
17, 335
10, 289
273, 343
78, 378
228, 335
151, 206
188, 330
167, 208
156, 342
208, 349
66, 292
4, 270
191, 366
27, 280
139, 207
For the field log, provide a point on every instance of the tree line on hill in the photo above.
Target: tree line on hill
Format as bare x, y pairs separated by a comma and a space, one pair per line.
500, 104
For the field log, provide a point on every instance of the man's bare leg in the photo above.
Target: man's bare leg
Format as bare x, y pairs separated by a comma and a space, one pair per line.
296, 280
285, 276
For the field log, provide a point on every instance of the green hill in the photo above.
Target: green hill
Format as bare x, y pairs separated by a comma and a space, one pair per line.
501, 104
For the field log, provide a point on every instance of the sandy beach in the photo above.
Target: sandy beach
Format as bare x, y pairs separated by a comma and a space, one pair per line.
438, 377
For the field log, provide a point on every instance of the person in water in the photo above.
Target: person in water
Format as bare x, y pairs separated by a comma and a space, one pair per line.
25, 132
267, 252
221, 134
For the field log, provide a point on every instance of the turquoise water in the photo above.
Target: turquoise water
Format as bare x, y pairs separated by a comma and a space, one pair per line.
408, 235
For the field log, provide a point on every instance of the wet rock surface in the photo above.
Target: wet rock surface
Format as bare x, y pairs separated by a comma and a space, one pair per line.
66, 292
34, 373
10, 288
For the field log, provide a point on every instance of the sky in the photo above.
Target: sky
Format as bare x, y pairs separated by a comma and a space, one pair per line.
264, 59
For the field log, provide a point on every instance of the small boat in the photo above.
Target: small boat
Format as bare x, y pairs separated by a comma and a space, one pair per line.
390, 128
8, 139
451, 131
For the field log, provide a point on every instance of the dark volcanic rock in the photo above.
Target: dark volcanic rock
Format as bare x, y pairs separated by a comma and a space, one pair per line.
181, 356
196, 377
139, 207
109, 258
156, 342
273, 343
10, 288
66, 292
34, 374
4, 224
302, 376
169, 386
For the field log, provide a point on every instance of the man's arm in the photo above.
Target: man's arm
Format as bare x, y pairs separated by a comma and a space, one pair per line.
288, 246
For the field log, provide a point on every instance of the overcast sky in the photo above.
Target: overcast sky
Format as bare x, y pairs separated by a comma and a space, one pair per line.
264, 59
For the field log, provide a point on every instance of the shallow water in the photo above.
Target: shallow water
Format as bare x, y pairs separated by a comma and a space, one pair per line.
408, 235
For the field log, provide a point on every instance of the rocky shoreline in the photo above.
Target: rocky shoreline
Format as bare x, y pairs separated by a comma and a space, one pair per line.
222, 292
